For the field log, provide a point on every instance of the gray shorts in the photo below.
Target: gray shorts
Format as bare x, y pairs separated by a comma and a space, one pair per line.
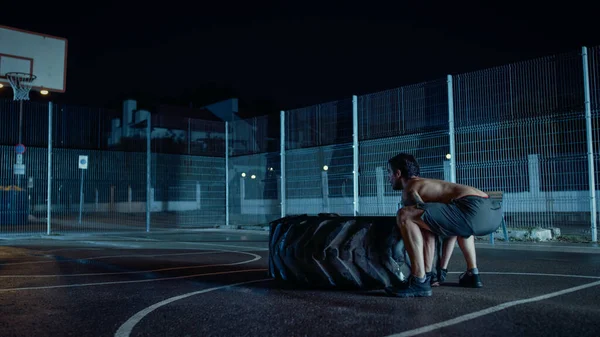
466, 216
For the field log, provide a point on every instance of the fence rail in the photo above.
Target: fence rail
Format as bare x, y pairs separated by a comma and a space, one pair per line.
530, 129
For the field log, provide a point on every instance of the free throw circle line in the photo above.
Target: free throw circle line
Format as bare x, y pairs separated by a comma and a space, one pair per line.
142, 271
132, 281
113, 257
126, 328
256, 258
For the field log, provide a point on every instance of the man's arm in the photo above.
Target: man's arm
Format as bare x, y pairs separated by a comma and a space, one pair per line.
411, 198
416, 197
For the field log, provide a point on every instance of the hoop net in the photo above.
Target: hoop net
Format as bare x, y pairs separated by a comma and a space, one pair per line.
21, 84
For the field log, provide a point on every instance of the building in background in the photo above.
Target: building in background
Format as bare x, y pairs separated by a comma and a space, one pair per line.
182, 130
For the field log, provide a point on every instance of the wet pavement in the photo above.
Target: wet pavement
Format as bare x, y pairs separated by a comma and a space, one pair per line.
215, 283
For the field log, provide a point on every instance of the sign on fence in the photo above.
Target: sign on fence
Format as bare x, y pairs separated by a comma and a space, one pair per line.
83, 162
20, 148
19, 169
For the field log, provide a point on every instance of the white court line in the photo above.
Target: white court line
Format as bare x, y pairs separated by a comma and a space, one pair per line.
118, 244
63, 249
256, 258
230, 246
131, 238
125, 329
138, 271
490, 310
133, 281
106, 257
531, 274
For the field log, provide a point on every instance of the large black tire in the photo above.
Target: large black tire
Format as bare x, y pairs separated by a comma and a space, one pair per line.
333, 251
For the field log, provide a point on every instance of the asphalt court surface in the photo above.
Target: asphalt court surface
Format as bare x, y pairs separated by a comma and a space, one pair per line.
215, 283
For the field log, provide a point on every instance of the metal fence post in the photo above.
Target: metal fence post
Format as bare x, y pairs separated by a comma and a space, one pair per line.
49, 201
282, 158
451, 130
189, 137
590, 143
227, 174
148, 173
355, 152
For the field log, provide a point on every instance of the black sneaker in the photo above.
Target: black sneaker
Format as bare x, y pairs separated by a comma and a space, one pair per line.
438, 277
434, 279
411, 288
441, 275
470, 280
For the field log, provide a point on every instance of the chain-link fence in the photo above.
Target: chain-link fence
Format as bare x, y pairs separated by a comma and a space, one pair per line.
253, 171
530, 129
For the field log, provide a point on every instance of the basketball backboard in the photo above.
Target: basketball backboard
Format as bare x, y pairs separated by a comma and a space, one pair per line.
37, 54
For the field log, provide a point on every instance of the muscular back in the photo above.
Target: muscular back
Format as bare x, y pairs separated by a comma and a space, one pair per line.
433, 190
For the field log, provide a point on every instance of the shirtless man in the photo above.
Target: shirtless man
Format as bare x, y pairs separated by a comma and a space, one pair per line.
436, 207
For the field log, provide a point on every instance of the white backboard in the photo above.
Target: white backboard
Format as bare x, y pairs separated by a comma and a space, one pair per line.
39, 54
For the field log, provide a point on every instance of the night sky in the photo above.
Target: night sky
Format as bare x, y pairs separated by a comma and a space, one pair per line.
274, 55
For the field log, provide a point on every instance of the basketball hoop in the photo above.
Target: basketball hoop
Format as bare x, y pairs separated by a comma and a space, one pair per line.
21, 84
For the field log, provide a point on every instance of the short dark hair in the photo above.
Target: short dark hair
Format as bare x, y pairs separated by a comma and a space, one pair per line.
406, 163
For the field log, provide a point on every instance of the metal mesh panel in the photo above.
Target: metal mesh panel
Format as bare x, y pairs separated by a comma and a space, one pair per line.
376, 196
254, 171
188, 173
543, 87
520, 129
254, 135
254, 186
594, 75
23, 197
23, 179
323, 124
34, 131
81, 127
319, 180
186, 136
206, 138
415, 108
114, 191
187, 191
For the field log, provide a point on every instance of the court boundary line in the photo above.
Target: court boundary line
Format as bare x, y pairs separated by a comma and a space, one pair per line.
509, 273
499, 307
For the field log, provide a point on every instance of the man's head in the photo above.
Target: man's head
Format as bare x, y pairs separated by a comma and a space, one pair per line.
402, 166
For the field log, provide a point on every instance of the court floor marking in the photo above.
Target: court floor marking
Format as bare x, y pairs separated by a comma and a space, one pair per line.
79, 285
194, 243
480, 313
230, 245
64, 249
138, 271
108, 257
531, 274
126, 328
256, 257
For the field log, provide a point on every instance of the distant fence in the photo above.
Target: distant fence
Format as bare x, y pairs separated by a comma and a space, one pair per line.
530, 129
